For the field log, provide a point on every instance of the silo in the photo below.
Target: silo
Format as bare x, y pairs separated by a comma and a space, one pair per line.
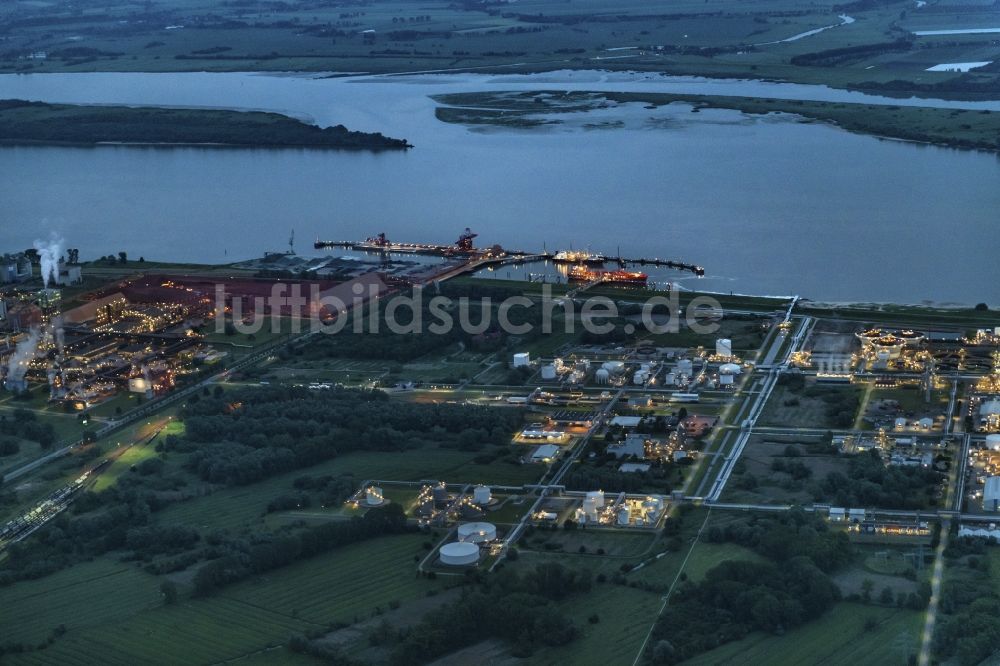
481, 495
624, 515
459, 553
724, 347
548, 371
440, 495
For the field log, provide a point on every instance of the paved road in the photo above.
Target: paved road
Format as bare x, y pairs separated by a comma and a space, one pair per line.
932, 608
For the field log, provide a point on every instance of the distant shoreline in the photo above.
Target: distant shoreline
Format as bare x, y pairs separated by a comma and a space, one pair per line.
41, 124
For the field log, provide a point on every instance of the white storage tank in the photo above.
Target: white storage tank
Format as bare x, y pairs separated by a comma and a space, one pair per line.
522, 360
481, 495
597, 496
613, 367
993, 442
477, 532
459, 553
640, 377
725, 380
671, 379
602, 376
724, 347
373, 496
624, 515
685, 366
440, 495
548, 371
730, 369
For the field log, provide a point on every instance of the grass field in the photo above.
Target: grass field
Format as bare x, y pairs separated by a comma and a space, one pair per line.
239, 507
839, 637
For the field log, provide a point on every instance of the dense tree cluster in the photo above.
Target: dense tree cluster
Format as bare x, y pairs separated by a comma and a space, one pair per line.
473, 313
788, 536
280, 550
738, 597
511, 607
869, 482
60, 123
24, 425
249, 435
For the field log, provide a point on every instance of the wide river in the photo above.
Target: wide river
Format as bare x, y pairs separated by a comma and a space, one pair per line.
766, 204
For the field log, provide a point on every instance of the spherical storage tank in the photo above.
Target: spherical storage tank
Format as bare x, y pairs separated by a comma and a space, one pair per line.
477, 532
459, 553
481, 495
548, 372
993, 442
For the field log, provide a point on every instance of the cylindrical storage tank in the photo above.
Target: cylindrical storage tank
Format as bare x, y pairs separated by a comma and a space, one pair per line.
373, 496
993, 442
724, 347
477, 532
624, 515
459, 553
590, 508
726, 380
602, 376
640, 378
522, 360
481, 495
613, 366
440, 495
671, 379
548, 372
883, 355
730, 369
645, 367
685, 366
597, 496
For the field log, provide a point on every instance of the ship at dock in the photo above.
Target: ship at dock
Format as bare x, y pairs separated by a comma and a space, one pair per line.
578, 257
584, 274
463, 247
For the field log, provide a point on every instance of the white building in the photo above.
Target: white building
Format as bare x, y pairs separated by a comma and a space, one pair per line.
991, 494
545, 453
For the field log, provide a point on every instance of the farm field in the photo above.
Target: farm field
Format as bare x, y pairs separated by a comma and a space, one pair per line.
130, 623
760, 39
839, 637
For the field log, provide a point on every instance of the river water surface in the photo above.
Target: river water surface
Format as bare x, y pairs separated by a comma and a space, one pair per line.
766, 204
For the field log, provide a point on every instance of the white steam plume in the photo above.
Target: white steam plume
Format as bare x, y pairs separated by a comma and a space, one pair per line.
48, 254
17, 367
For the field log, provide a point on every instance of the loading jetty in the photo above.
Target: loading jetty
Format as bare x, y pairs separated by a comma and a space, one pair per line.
495, 255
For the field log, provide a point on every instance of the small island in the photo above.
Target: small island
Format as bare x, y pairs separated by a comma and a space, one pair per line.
23, 122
